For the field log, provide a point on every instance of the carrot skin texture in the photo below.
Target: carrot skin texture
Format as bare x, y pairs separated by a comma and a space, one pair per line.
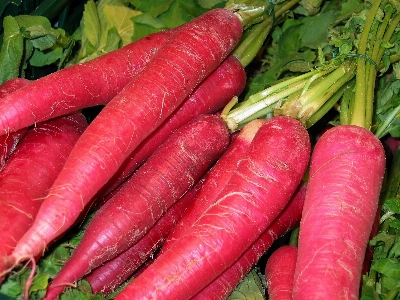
79, 86
227, 81
257, 192
29, 174
179, 66
172, 170
107, 277
289, 218
215, 180
279, 273
12, 85
346, 173
9, 141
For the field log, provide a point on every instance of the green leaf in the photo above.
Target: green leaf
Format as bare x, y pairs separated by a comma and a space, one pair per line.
40, 282
314, 30
155, 7
12, 50
209, 4
145, 24
249, 288
390, 267
392, 204
180, 12
40, 58
120, 18
91, 24
285, 54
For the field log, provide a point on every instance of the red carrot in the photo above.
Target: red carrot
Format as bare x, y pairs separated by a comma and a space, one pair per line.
183, 62
29, 173
346, 172
224, 285
257, 192
279, 273
9, 141
215, 181
147, 195
116, 271
227, 81
79, 86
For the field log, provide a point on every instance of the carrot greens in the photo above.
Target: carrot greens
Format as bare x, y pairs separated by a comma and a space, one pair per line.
326, 63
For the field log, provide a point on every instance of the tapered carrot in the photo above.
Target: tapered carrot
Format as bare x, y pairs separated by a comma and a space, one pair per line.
29, 174
79, 86
257, 192
123, 220
189, 56
107, 277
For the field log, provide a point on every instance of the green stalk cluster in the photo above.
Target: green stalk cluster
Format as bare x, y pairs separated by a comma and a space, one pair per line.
347, 81
375, 34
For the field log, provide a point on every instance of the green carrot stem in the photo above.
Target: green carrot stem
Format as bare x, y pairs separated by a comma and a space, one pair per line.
323, 91
371, 69
251, 45
285, 6
316, 116
383, 129
313, 95
249, 14
388, 34
393, 293
280, 86
359, 113
345, 103
265, 113
242, 113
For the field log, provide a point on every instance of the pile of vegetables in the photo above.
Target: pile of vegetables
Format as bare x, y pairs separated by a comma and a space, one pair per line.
202, 150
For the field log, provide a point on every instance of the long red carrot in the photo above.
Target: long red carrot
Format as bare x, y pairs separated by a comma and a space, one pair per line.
215, 180
346, 172
183, 62
116, 271
257, 192
79, 86
227, 81
279, 273
147, 195
224, 285
29, 173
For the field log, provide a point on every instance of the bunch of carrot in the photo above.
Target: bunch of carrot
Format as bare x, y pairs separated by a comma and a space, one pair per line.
162, 170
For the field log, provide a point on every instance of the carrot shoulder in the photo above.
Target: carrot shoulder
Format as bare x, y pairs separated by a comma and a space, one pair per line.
179, 66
